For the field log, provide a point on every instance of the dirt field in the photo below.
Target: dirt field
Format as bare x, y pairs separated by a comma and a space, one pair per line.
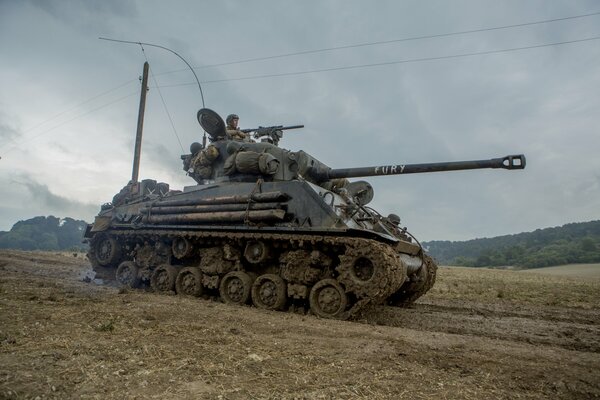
478, 334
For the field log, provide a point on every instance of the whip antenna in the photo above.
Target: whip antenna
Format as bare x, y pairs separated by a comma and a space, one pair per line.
174, 52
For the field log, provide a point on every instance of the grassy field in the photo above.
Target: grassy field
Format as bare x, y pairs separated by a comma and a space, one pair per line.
478, 334
586, 271
566, 286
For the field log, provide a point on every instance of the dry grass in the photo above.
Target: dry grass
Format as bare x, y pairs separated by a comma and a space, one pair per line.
63, 338
490, 285
583, 271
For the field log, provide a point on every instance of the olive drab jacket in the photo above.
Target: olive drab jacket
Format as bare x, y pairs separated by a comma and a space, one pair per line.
233, 133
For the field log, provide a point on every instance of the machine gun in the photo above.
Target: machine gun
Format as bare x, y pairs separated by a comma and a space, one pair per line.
271, 134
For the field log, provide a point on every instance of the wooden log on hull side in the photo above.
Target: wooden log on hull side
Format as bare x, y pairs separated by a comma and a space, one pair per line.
234, 216
257, 197
210, 208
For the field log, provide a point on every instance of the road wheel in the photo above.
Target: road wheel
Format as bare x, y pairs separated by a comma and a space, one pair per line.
127, 274
163, 278
181, 248
328, 299
235, 287
189, 282
106, 250
269, 292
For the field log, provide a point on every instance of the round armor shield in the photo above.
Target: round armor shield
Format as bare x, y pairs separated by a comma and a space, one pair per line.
211, 122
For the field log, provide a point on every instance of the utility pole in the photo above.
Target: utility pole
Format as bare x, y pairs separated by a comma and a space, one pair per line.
140, 126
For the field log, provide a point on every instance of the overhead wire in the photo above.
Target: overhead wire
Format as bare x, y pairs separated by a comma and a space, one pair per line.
375, 43
164, 48
79, 105
26, 140
333, 48
181, 58
75, 107
413, 60
413, 38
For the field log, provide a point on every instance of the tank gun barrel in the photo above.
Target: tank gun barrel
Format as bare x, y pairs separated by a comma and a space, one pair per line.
508, 162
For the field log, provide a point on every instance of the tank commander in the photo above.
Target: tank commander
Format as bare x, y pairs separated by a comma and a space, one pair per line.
232, 130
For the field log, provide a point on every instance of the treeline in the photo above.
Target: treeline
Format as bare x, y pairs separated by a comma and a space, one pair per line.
45, 233
568, 244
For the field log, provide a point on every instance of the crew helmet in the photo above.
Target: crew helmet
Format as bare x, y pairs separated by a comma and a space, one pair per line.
394, 219
231, 117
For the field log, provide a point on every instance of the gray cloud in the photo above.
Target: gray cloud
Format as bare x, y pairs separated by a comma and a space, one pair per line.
47, 202
8, 130
541, 102
81, 12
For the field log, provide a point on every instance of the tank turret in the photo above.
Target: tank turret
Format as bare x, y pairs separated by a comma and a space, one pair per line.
268, 226
281, 164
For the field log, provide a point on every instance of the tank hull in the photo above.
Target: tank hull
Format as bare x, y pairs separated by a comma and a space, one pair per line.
275, 245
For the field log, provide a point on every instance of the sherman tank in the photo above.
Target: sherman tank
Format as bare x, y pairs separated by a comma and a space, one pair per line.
266, 226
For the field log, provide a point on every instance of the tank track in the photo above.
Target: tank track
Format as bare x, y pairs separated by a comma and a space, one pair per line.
417, 286
335, 277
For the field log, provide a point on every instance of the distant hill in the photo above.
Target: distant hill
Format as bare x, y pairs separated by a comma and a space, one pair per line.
567, 244
573, 243
45, 233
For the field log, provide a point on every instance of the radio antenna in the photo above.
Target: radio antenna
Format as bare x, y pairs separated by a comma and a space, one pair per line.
141, 44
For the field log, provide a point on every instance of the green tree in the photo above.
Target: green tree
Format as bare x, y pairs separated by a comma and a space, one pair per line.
45, 233
587, 244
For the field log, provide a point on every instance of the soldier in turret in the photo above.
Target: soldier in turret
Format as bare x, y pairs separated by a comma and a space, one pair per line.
232, 130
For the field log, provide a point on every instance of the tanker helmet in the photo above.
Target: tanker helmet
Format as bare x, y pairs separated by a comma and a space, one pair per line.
231, 117
195, 147
394, 219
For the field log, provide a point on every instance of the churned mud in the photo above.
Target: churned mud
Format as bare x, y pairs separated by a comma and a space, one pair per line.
478, 334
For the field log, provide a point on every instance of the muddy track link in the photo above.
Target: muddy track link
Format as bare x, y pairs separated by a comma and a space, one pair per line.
366, 271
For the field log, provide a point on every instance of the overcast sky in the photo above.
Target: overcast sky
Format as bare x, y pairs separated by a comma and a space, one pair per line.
69, 101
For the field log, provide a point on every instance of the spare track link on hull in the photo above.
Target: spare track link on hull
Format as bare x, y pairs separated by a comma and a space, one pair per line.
368, 272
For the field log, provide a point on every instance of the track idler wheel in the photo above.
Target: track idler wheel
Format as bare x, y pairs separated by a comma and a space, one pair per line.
163, 278
269, 292
189, 282
411, 291
235, 287
328, 299
106, 250
371, 270
127, 274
